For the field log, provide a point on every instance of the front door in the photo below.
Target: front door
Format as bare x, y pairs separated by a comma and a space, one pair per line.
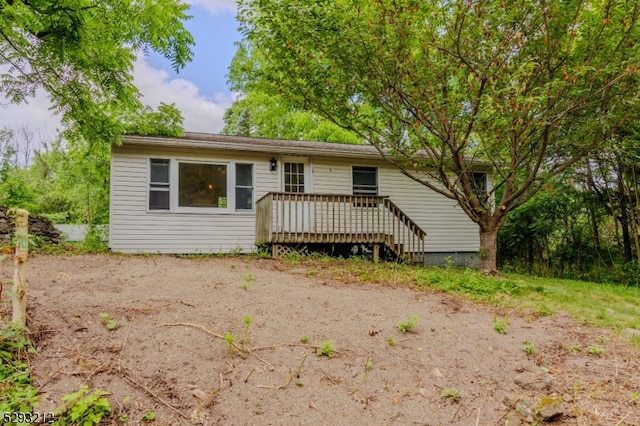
298, 211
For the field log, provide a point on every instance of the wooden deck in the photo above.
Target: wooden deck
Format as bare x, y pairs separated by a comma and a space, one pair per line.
291, 218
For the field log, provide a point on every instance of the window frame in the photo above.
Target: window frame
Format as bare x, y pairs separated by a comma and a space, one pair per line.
236, 187
174, 185
365, 194
191, 209
165, 186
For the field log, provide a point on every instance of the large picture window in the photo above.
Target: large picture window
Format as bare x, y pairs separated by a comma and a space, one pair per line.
202, 185
244, 186
159, 186
192, 186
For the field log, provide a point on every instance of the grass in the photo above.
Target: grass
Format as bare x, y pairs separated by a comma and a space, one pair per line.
603, 305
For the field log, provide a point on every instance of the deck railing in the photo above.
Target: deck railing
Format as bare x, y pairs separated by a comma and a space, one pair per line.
334, 218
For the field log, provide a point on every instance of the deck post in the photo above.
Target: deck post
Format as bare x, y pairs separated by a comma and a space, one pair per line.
376, 253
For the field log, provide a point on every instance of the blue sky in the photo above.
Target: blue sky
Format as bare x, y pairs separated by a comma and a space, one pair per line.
199, 90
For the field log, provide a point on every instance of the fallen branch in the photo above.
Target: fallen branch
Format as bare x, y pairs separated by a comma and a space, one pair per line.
125, 372
239, 348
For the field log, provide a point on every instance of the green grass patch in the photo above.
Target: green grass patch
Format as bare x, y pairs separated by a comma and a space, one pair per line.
603, 305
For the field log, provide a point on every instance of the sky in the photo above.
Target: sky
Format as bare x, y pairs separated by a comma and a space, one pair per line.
199, 90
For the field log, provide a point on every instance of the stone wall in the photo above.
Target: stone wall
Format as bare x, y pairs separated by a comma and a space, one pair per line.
38, 226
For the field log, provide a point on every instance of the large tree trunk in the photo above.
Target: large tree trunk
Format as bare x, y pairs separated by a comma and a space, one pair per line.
19, 296
488, 250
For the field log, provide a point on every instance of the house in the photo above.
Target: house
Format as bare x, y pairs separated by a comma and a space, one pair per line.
203, 193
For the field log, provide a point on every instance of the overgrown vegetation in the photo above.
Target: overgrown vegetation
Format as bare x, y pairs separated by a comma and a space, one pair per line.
533, 295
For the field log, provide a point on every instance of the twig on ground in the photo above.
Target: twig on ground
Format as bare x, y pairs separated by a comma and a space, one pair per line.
455, 414
511, 407
299, 370
478, 417
246, 379
124, 344
239, 348
127, 373
287, 383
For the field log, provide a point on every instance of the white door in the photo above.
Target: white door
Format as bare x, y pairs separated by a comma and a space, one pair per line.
297, 211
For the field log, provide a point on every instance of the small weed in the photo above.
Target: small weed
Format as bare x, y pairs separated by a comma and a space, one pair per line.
635, 341
232, 266
596, 350
108, 322
635, 398
545, 311
529, 348
248, 280
326, 348
408, 324
247, 325
391, 342
83, 408
368, 364
230, 339
573, 348
451, 393
500, 324
602, 339
304, 339
149, 416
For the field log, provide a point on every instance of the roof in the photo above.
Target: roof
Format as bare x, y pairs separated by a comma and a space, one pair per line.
271, 146
253, 144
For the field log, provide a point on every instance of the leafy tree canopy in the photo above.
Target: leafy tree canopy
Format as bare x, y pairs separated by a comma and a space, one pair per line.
258, 113
82, 53
528, 87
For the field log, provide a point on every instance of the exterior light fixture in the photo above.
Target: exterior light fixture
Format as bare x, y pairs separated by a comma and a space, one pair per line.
273, 164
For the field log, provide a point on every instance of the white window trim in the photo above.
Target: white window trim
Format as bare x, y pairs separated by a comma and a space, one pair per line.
253, 187
174, 163
175, 183
148, 198
367, 167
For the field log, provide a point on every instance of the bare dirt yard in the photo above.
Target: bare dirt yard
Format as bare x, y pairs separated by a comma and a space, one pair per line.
167, 354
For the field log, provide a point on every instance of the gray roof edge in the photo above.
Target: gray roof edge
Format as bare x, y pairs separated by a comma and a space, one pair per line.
244, 143
271, 146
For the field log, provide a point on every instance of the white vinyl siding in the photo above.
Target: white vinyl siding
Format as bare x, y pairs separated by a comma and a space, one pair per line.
447, 226
134, 228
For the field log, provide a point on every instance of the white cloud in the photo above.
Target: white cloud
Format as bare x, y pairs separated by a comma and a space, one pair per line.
200, 113
215, 7
35, 115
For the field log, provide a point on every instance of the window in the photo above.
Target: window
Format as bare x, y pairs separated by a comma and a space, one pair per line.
365, 180
244, 186
202, 185
479, 184
294, 177
191, 186
159, 187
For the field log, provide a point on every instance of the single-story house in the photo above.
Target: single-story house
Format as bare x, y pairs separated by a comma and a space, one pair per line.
205, 193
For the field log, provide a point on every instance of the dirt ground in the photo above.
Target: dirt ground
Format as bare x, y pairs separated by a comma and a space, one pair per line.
167, 353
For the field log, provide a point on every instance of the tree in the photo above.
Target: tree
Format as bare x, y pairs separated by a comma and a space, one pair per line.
439, 86
82, 53
261, 114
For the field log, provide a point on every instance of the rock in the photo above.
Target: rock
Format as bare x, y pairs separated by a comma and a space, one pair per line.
114, 346
520, 405
545, 408
549, 408
534, 380
630, 333
39, 226
436, 372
